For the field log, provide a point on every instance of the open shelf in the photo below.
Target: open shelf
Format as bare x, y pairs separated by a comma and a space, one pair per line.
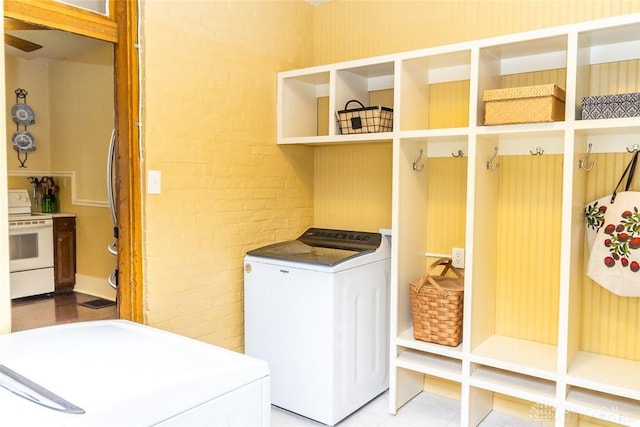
298, 95
435, 90
405, 339
608, 374
603, 406
607, 58
517, 355
430, 364
521, 58
522, 386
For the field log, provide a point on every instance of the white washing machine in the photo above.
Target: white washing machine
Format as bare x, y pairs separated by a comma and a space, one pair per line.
317, 310
119, 373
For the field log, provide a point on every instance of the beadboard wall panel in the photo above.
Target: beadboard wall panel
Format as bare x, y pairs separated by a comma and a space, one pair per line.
446, 205
528, 227
351, 29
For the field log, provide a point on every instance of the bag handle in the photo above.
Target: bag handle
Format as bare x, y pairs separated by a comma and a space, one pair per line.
346, 106
630, 169
426, 277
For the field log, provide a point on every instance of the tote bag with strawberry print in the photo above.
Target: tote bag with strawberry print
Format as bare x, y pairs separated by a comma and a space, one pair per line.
613, 237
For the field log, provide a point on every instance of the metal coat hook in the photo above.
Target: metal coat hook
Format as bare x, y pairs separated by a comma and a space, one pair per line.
582, 163
490, 165
459, 153
634, 148
416, 167
537, 152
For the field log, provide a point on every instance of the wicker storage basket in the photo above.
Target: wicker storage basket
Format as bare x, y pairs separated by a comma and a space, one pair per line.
436, 305
365, 119
527, 104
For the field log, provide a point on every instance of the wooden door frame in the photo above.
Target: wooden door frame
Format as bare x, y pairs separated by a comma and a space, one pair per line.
129, 200
120, 28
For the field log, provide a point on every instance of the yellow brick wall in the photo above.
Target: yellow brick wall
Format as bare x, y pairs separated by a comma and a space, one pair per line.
209, 82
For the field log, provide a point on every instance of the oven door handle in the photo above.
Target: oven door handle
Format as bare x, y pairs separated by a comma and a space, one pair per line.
36, 393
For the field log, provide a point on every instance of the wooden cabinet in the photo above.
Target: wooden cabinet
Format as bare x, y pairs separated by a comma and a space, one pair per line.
64, 253
536, 328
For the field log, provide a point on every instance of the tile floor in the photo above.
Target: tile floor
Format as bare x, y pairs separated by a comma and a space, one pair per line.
424, 410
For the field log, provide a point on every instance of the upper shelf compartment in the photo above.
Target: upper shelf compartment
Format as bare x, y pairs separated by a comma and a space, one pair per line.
526, 62
299, 96
434, 91
608, 64
309, 100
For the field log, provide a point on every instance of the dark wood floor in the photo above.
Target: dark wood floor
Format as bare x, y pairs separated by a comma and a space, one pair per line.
34, 312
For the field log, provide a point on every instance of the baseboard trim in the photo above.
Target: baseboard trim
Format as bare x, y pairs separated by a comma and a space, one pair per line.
95, 286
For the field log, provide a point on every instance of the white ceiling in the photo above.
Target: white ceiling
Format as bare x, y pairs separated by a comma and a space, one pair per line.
55, 44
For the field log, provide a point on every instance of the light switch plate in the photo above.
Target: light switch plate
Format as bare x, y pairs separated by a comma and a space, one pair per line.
154, 182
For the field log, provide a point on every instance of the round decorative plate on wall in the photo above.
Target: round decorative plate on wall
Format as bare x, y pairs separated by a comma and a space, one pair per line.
22, 115
23, 141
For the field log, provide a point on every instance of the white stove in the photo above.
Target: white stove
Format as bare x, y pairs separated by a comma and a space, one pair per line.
30, 248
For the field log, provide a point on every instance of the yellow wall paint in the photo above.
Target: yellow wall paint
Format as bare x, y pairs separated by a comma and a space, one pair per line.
341, 200
396, 26
32, 76
82, 118
209, 78
449, 105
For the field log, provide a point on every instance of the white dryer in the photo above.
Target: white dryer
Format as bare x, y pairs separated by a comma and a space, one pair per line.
117, 373
317, 310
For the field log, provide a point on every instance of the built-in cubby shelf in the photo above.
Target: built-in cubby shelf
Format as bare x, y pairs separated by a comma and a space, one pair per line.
535, 327
530, 388
517, 355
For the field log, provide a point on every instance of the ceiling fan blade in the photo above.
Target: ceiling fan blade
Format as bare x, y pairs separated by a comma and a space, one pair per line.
21, 44
17, 25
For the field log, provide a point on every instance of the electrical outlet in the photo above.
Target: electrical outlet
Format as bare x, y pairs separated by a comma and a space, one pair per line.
457, 255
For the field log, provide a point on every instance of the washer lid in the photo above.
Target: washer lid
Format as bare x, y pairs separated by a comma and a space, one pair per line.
322, 247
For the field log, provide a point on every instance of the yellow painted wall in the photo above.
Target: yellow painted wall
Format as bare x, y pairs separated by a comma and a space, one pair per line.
73, 104
209, 126
33, 76
209, 79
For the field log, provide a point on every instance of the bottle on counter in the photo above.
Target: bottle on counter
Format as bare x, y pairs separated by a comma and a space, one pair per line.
49, 202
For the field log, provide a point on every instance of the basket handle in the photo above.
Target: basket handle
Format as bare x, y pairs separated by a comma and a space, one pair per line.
346, 106
426, 277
